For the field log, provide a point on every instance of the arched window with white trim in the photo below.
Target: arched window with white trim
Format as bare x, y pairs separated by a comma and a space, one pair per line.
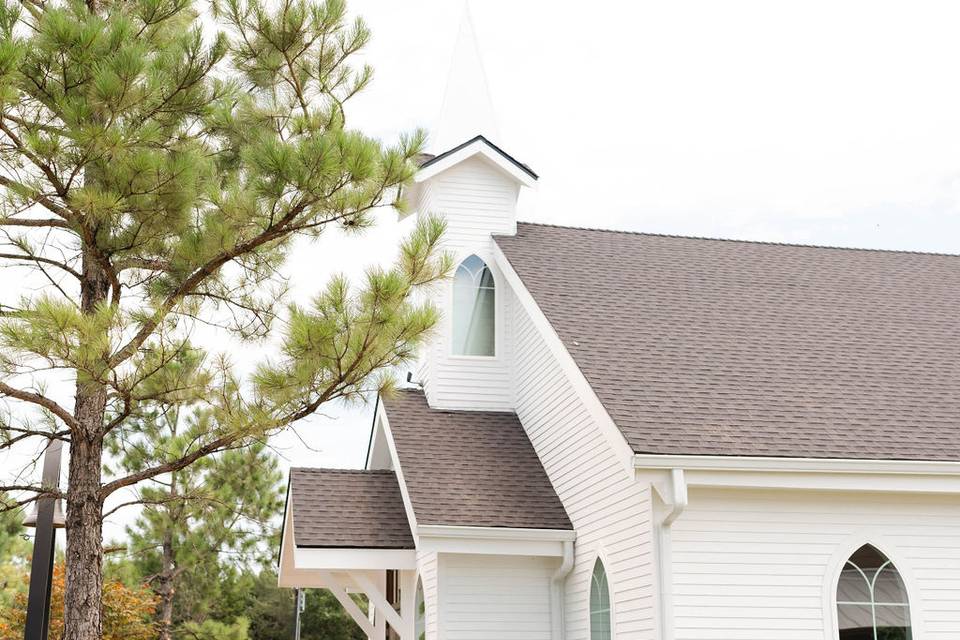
872, 599
420, 619
474, 309
600, 627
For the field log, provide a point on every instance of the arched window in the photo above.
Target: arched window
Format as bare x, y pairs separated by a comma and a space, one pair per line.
599, 604
420, 621
473, 309
872, 599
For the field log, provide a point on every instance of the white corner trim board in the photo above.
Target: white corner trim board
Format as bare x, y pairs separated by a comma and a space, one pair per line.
566, 362
384, 423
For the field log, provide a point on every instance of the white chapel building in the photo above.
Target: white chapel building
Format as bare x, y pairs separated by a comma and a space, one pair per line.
623, 435
632, 436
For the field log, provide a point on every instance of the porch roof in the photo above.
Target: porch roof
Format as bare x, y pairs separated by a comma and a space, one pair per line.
348, 509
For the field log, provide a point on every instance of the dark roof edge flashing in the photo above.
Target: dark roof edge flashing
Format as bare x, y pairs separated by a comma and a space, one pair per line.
503, 153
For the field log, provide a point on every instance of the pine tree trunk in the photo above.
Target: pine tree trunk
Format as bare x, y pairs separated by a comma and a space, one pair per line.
84, 579
166, 590
84, 518
168, 569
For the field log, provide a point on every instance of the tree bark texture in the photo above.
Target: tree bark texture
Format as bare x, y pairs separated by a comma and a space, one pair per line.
84, 556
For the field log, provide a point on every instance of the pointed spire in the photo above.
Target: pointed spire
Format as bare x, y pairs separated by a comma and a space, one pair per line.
467, 108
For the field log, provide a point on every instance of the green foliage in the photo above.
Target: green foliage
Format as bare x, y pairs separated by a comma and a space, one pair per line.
270, 611
155, 172
202, 524
14, 551
178, 166
324, 618
213, 630
12, 544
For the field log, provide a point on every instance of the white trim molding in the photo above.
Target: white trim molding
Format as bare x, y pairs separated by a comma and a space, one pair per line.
810, 474
384, 423
808, 465
494, 540
566, 362
334, 559
479, 146
843, 553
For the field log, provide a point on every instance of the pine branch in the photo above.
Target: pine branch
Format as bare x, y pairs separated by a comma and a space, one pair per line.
41, 260
39, 494
33, 222
40, 401
223, 443
273, 232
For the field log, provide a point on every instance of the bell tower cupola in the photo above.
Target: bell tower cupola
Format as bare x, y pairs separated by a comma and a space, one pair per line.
474, 184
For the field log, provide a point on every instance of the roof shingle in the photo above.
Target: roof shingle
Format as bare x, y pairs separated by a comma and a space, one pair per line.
718, 347
470, 468
340, 508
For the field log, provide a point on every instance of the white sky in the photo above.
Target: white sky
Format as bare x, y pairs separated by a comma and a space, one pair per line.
816, 122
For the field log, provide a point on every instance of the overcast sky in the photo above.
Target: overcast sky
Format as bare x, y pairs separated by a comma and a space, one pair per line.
832, 123
817, 122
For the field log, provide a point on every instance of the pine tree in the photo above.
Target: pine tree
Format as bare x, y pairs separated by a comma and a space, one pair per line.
155, 176
200, 521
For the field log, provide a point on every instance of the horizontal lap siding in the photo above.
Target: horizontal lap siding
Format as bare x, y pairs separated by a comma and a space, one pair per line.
495, 597
609, 511
476, 200
750, 565
427, 567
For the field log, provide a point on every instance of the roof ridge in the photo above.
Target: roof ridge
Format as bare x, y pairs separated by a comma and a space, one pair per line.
735, 240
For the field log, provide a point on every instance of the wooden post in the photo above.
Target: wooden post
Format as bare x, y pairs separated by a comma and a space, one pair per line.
408, 604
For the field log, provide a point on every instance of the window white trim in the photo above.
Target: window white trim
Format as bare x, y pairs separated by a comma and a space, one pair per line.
601, 557
419, 593
452, 319
840, 557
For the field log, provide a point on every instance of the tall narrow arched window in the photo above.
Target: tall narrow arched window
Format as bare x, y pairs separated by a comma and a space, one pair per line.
872, 599
473, 309
599, 604
420, 621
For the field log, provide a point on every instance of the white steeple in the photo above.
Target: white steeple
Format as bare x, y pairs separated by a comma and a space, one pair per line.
467, 107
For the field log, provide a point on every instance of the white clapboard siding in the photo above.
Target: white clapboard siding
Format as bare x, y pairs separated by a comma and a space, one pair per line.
611, 513
756, 565
427, 569
477, 201
495, 597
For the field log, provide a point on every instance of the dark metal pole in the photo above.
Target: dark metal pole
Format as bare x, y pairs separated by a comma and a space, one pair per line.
44, 544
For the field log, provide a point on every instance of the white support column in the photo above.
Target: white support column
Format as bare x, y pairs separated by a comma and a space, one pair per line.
408, 604
374, 590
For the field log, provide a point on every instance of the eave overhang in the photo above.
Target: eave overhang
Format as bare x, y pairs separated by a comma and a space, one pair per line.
494, 540
814, 474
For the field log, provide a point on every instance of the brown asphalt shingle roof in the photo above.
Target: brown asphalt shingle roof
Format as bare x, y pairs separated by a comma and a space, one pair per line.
718, 347
470, 468
348, 509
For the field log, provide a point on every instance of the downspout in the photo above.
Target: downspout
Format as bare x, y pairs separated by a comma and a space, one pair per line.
556, 591
678, 502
